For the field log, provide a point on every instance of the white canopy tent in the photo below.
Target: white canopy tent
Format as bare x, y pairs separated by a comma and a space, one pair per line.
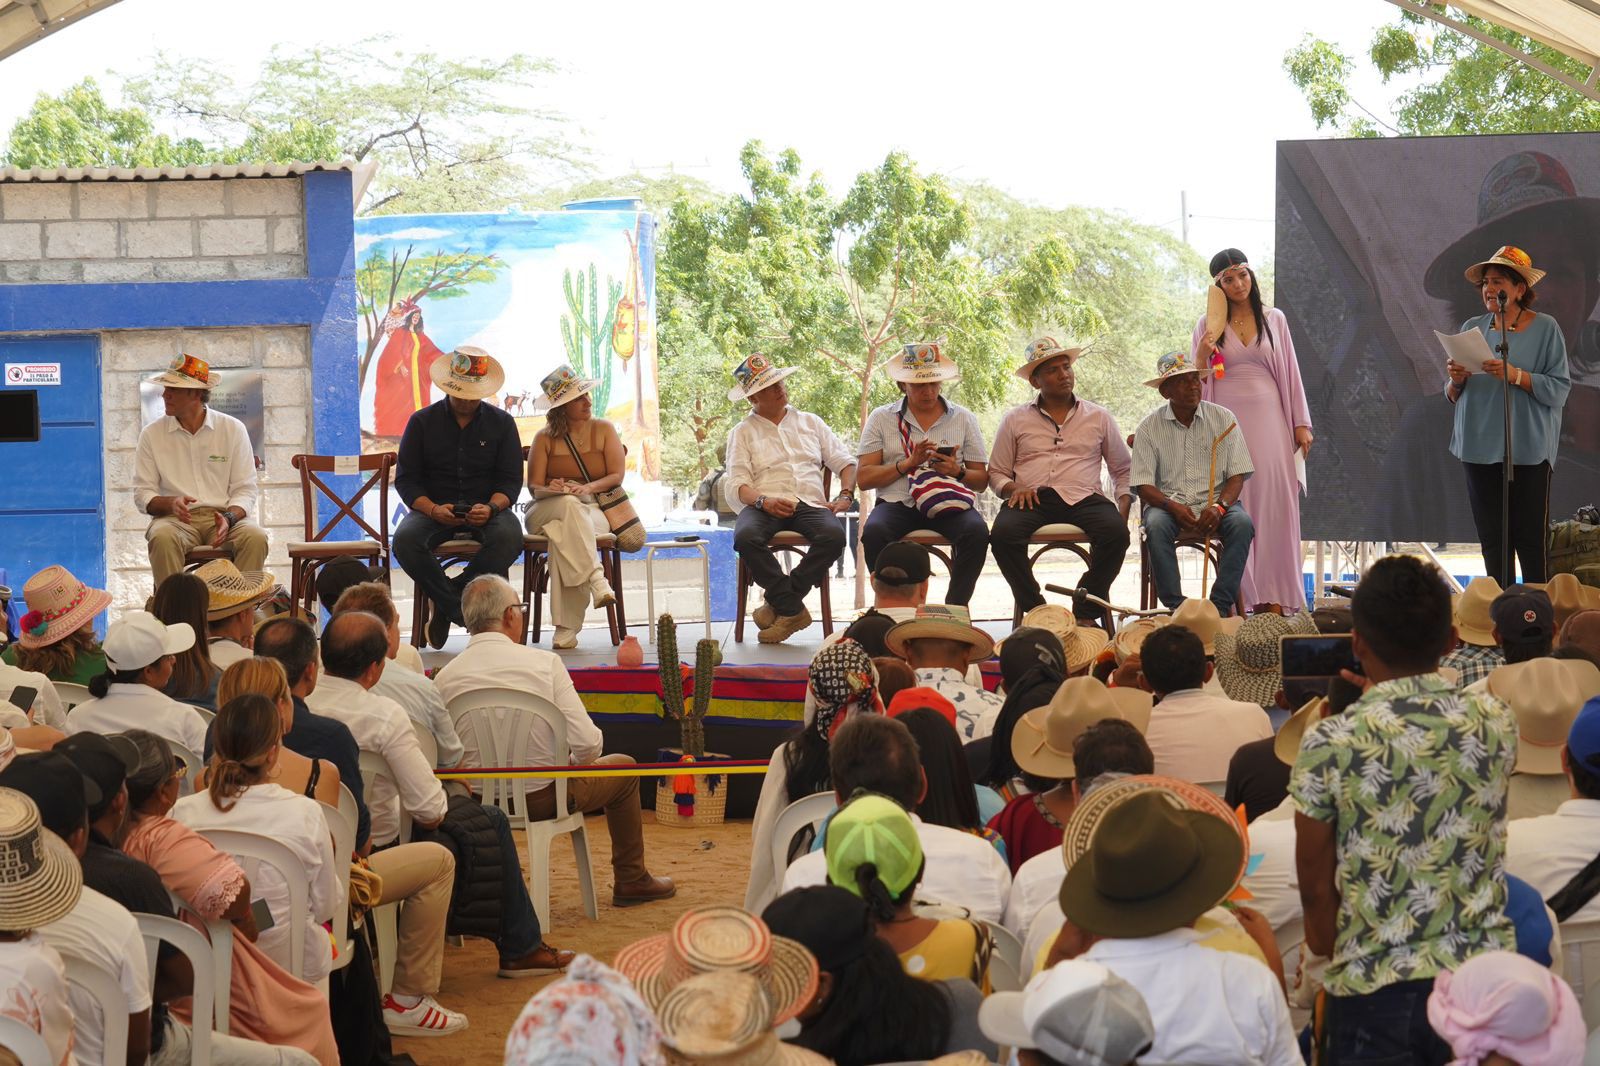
1569, 26
22, 22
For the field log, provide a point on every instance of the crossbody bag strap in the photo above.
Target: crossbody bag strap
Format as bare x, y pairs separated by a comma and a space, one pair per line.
1573, 896
583, 471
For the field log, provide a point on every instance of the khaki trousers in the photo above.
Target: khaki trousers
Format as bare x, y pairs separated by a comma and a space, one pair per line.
420, 877
571, 526
169, 540
619, 798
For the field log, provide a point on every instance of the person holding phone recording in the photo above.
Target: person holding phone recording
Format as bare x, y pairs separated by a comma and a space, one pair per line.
910, 451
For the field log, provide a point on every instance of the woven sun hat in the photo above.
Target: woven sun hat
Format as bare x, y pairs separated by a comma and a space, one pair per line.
40, 879
139, 638
1081, 643
186, 372
1201, 618
1250, 660
946, 621
1077, 1011
721, 937
1546, 695
1076, 838
725, 1017
1175, 364
1041, 351
1473, 623
230, 591
756, 373
921, 363
873, 829
562, 385
1131, 637
1568, 596
1513, 259
1043, 738
467, 373
1286, 743
63, 605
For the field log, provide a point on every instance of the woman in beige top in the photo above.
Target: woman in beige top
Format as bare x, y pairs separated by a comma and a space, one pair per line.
564, 510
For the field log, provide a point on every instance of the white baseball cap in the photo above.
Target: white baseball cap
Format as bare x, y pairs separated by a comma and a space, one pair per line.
1077, 1012
139, 638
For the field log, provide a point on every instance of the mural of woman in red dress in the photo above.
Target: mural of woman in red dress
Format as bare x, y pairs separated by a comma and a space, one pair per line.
403, 385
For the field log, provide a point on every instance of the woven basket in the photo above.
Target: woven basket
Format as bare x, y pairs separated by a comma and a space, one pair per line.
710, 808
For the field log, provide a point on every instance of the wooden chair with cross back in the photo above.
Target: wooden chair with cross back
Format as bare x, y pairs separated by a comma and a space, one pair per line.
308, 556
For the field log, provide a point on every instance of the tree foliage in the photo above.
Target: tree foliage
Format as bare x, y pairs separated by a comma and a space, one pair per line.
383, 281
79, 128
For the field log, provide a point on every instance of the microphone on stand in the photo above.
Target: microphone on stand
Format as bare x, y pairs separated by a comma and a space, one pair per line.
1500, 301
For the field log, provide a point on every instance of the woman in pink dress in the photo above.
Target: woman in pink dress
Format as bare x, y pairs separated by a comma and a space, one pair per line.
1261, 386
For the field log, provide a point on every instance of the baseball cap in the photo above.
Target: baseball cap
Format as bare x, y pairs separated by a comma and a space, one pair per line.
873, 829
1523, 615
902, 563
57, 787
1077, 1012
105, 760
910, 699
139, 638
1583, 739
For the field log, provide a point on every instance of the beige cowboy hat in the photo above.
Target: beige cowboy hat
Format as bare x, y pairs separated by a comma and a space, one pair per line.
1175, 364
1042, 741
1568, 596
186, 372
40, 879
1286, 745
1201, 617
467, 373
1042, 351
1081, 643
1250, 660
562, 385
945, 621
1131, 637
922, 363
725, 1018
63, 604
1546, 695
756, 373
1513, 259
1472, 611
231, 591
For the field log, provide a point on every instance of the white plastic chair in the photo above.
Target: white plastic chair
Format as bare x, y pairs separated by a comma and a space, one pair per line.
427, 742
1580, 950
254, 851
192, 765
28, 1046
373, 766
501, 721
103, 987
807, 810
344, 843
155, 929
71, 695
1005, 965
220, 933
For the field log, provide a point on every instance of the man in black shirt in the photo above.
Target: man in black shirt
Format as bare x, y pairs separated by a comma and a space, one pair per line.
459, 471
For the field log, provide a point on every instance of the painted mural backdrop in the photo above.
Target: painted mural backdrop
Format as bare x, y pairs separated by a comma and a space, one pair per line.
534, 290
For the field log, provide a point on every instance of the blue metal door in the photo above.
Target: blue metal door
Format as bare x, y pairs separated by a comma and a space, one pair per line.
52, 492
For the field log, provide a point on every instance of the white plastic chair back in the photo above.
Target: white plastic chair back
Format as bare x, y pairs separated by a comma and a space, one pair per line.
1580, 949
427, 742
501, 720
219, 932
374, 766
347, 804
1216, 788
1005, 965
187, 939
28, 1046
71, 695
807, 810
103, 987
192, 765
344, 844
253, 851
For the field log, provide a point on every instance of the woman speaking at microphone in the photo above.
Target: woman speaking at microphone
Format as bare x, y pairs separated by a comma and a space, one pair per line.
1536, 368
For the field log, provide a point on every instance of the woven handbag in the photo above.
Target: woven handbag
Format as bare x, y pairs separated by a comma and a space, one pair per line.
615, 505
934, 493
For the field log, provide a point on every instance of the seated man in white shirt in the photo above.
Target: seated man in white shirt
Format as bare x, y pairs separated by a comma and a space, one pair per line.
413, 691
195, 475
774, 481
495, 658
1192, 733
231, 612
1550, 851
941, 644
878, 754
139, 651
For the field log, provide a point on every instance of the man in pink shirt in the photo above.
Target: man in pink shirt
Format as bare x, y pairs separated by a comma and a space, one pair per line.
1046, 465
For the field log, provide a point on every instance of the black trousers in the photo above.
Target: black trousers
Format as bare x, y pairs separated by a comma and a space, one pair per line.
1530, 518
786, 593
964, 529
1094, 514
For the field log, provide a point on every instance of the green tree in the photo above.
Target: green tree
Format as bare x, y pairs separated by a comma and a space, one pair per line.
79, 128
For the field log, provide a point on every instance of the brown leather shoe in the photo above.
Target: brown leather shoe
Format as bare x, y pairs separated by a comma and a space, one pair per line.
764, 616
539, 962
783, 628
645, 890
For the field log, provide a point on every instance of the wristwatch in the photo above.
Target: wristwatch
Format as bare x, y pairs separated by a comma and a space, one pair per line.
848, 497
761, 502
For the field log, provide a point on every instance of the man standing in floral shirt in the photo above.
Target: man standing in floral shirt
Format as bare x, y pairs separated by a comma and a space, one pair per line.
1401, 826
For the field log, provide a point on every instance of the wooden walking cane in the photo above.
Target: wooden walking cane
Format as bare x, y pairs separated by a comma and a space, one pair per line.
1211, 489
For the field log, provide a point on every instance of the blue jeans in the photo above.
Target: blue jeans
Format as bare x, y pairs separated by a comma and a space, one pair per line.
1388, 1027
519, 924
418, 535
1161, 537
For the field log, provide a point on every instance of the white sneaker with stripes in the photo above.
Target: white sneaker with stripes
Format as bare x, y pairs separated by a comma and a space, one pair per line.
427, 1018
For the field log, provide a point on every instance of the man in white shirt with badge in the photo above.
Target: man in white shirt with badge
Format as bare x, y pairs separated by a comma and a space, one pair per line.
774, 481
195, 475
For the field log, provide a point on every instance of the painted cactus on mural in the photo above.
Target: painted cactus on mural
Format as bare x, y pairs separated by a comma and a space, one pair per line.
586, 330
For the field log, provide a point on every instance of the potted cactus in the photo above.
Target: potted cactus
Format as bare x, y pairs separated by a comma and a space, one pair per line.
688, 799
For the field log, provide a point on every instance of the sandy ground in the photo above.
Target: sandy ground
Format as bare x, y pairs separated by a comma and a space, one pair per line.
709, 865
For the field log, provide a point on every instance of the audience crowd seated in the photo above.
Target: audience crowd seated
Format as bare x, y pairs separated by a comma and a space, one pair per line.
140, 655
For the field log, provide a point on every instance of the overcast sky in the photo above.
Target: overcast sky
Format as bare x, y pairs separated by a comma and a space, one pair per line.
1116, 105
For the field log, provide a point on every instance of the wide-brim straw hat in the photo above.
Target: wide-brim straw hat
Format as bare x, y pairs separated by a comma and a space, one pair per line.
1250, 660
40, 879
65, 604
921, 364
1042, 351
1286, 744
1546, 695
1513, 259
721, 937
1081, 643
755, 373
562, 385
1175, 364
1043, 738
1568, 596
229, 590
1131, 637
186, 372
1201, 617
467, 373
946, 621
724, 1017
1473, 623
1150, 829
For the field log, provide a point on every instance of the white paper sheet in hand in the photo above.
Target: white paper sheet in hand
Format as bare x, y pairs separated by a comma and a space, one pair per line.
1300, 468
1469, 348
